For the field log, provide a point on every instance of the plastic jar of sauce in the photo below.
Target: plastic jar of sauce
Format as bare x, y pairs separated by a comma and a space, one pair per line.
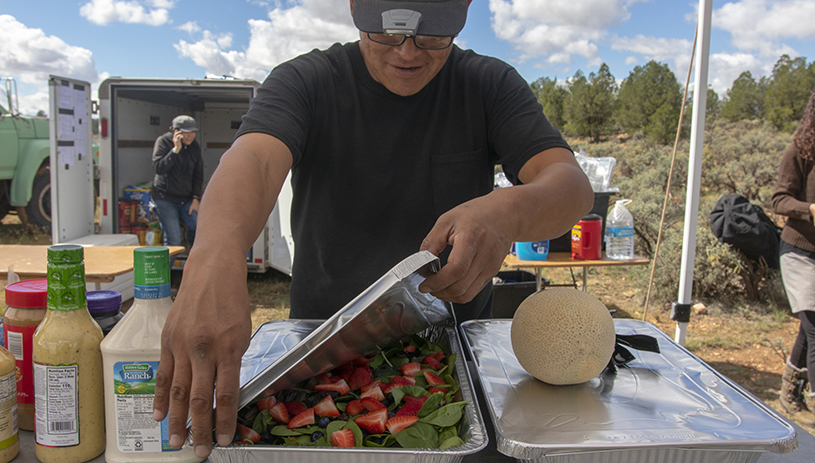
9, 434
104, 306
26, 302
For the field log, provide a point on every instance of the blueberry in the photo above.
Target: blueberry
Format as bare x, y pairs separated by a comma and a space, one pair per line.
316, 435
324, 421
334, 394
266, 436
391, 414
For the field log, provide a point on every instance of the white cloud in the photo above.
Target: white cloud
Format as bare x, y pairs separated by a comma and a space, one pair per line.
30, 56
675, 52
631, 60
557, 29
763, 25
724, 68
189, 27
132, 11
287, 33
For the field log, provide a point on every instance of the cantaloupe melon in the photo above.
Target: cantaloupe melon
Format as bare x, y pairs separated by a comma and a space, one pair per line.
563, 336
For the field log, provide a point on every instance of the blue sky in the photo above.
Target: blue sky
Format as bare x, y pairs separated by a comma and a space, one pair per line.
93, 39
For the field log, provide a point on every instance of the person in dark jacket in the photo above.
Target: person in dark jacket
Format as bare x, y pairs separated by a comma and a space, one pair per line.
794, 197
179, 180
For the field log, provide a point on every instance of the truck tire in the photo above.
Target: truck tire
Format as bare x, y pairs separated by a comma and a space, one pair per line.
39, 207
5, 205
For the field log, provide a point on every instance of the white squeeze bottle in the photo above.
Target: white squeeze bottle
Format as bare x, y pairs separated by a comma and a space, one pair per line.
130, 355
620, 232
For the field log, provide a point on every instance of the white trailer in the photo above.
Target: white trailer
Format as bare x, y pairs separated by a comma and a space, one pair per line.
133, 112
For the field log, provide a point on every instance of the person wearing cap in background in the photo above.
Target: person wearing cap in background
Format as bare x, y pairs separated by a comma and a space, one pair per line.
178, 181
391, 142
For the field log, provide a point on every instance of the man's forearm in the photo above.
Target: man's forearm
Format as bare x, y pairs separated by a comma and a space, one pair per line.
239, 198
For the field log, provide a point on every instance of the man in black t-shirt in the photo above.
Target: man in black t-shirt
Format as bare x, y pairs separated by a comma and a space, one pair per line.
391, 143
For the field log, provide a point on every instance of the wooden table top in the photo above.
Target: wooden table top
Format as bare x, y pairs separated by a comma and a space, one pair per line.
102, 263
564, 259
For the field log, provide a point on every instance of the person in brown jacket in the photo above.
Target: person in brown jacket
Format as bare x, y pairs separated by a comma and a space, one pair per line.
794, 197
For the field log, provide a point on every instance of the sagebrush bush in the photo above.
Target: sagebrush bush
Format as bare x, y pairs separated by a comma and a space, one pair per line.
739, 157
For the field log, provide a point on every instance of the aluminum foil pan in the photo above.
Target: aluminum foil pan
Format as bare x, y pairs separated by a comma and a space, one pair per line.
273, 339
669, 406
389, 310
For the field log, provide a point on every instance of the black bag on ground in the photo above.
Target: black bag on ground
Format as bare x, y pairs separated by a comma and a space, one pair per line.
736, 221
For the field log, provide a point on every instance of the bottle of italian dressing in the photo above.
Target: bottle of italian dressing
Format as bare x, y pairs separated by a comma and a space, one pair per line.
131, 353
69, 405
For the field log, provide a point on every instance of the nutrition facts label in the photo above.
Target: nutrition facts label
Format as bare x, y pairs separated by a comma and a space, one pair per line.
136, 431
56, 405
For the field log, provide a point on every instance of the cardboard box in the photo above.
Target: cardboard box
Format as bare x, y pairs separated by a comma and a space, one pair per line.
140, 193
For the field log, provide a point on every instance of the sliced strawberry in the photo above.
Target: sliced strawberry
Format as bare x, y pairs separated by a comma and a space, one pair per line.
410, 348
342, 438
398, 423
326, 407
371, 385
361, 376
295, 407
340, 386
373, 422
279, 413
355, 407
434, 390
410, 369
374, 393
411, 406
432, 378
325, 378
437, 355
249, 434
372, 404
266, 403
410, 379
435, 364
386, 387
303, 419
361, 360
400, 381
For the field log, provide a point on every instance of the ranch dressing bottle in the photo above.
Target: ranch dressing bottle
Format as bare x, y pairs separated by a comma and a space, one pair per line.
131, 353
69, 404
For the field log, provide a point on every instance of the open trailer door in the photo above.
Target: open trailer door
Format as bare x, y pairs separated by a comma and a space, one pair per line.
72, 202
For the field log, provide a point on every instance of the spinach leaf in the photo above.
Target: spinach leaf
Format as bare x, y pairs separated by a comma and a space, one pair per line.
419, 435
447, 415
262, 420
454, 441
431, 405
451, 361
333, 427
376, 361
448, 432
283, 431
413, 391
379, 440
357, 433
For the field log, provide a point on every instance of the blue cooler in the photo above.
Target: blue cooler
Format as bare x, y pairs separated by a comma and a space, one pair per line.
532, 250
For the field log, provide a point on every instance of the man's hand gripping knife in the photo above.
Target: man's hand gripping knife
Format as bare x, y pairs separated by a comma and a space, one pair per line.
554, 195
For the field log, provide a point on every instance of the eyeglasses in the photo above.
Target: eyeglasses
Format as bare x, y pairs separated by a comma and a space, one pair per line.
425, 42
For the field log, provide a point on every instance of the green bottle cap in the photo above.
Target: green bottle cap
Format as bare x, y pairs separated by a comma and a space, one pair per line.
66, 277
65, 254
151, 266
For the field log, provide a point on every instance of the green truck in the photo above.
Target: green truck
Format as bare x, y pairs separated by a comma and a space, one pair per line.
25, 177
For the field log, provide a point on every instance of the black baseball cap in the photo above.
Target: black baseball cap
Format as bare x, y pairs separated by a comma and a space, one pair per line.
440, 18
184, 124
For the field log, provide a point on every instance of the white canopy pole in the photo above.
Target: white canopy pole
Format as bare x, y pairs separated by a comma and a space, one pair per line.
695, 164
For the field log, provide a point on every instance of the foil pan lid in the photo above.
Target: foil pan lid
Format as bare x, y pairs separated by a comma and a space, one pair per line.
389, 310
667, 401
